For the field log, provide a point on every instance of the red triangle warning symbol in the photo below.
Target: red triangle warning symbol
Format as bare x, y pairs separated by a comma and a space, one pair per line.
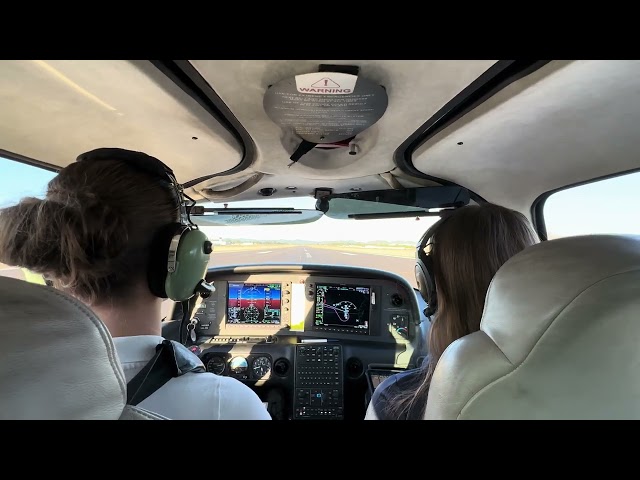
326, 82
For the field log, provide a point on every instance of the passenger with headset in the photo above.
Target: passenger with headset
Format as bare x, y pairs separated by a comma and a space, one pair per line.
455, 261
114, 231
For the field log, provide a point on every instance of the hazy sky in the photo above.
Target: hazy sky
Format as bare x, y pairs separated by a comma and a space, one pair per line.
610, 206
607, 206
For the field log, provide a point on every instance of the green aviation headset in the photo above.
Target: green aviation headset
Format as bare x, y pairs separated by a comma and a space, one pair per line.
179, 252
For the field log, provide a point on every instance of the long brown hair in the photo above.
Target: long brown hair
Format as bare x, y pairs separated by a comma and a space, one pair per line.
91, 234
467, 249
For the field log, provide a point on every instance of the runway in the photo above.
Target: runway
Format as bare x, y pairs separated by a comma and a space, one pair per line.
306, 255
298, 255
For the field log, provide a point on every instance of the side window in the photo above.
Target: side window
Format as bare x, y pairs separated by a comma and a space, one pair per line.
18, 180
605, 206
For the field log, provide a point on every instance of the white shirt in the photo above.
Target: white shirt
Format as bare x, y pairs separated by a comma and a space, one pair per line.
371, 413
193, 396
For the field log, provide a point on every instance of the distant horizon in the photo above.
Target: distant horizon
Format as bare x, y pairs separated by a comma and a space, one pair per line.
305, 241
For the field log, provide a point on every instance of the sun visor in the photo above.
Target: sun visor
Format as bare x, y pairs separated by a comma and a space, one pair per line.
54, 110
256, 216
326, 108
406, 202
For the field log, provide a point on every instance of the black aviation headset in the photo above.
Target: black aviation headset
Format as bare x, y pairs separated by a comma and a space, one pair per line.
425, 277
179, 252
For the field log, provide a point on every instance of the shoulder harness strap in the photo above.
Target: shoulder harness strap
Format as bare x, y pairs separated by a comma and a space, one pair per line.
171, 360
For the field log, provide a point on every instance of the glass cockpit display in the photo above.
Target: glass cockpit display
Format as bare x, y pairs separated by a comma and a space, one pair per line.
342, 306
254, 303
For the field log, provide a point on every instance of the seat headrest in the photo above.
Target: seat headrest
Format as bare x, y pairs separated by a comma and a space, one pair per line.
57, 359
559, 338
533, 287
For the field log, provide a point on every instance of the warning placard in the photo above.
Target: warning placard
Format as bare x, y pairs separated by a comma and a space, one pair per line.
312, 105
326, 83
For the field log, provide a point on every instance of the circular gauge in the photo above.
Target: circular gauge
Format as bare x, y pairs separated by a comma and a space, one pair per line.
238, 365
251, 313
216, 365
261, 367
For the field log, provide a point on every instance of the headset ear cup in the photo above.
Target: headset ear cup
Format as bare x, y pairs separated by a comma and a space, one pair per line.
424, 268
421, 280
426, 282
158, 256
430, 281
192, 260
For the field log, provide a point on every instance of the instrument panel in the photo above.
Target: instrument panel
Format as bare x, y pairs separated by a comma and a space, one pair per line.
307, 305
251, 367
305, 336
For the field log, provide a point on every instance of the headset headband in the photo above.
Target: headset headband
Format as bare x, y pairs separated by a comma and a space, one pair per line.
426, 236
145, 163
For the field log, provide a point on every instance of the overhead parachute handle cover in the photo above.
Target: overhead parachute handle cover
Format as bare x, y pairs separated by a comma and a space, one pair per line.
330, 106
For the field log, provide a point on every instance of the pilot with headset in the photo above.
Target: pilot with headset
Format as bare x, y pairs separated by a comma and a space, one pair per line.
180, 277
114, 231
462, 251
401, 383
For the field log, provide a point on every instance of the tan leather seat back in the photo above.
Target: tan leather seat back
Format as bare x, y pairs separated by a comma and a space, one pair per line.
57, 359
559, 338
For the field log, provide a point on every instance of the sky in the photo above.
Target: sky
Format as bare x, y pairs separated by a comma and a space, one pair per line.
606, 206
609, 206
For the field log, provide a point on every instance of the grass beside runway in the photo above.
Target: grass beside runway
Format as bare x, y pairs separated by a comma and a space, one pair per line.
248, 248
398, 252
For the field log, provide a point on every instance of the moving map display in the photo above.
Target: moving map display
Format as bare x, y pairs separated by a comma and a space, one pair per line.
254, 303
342, 306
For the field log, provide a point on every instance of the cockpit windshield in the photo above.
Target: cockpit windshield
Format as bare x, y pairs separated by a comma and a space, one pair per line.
382, 243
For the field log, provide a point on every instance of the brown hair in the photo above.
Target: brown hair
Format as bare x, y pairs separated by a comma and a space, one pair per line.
91, 234
468, 249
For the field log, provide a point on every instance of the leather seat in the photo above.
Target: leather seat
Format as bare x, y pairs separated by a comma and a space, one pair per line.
559, 338
57, 359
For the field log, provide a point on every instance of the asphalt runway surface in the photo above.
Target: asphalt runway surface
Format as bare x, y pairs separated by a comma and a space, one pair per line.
403, 267
297, 255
